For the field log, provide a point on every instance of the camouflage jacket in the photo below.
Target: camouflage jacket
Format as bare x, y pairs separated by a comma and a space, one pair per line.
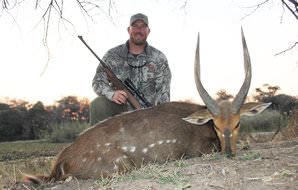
149, 72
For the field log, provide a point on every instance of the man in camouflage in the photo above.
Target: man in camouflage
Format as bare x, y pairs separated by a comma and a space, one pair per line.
136, 60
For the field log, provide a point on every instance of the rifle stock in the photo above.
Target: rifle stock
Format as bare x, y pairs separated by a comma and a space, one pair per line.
114, 80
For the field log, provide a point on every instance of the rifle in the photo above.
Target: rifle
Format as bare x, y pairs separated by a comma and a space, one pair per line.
118, 83
131, 87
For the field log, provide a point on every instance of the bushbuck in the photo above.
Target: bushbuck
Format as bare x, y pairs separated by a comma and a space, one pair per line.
164, 132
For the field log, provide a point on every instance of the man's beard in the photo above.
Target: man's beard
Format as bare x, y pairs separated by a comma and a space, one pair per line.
139, 42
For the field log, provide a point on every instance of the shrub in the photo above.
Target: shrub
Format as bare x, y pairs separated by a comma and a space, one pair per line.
13, 125
291, 131
64, 132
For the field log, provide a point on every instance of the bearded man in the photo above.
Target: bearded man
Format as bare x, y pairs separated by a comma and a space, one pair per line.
144, 65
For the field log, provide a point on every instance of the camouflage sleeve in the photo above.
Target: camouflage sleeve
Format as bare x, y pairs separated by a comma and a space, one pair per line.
163, 82
100, 83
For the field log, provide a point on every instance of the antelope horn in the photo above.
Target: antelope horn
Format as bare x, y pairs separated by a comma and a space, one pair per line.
240, 97
209, 102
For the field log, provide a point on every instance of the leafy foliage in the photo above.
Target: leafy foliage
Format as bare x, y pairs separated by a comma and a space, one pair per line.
64, 132
20, 120
265, 91
14, 124
280, 102
70, 108
223, 95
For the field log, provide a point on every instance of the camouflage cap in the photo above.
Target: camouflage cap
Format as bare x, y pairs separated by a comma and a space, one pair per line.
139, 16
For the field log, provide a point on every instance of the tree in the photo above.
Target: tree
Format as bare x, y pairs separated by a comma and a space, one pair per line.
290, 5
14, 124
55, 10
38, 117
90, 8
265, 91
280, 102
20, 120
4, 106
223, 95
70, 108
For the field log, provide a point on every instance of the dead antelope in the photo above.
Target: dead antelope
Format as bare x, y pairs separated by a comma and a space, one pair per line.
165, 132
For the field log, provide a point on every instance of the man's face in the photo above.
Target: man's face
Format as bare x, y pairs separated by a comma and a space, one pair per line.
138, 32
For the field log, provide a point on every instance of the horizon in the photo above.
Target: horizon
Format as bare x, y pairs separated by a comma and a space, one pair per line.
6, 100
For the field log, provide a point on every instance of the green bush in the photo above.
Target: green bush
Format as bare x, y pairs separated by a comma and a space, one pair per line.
64, 132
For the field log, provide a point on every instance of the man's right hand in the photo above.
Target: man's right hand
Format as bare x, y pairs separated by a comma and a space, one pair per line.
119, 97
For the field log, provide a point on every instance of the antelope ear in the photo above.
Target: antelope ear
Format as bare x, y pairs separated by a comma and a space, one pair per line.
199, 118
253, 108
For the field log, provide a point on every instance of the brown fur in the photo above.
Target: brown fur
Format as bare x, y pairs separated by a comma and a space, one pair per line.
129, 140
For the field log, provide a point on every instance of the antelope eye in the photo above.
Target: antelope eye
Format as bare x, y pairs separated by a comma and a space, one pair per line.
238, 125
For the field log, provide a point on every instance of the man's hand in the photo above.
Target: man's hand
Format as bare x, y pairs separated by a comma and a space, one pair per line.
119, 97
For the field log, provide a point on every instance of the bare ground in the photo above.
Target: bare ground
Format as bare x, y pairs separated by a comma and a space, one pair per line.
267, 166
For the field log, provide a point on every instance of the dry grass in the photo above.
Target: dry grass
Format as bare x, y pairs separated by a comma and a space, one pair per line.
155, 173
20, 157
291, 130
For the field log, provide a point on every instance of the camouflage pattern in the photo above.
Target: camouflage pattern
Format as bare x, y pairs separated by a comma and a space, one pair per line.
149, 72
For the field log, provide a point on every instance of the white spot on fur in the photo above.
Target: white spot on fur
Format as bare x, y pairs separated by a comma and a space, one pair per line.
174, 140
91, 152
151, 145
124, 148
132, 149
98, 145
84, 160
168, 141
160, 142
145, 150
122, 130
118, 159
128, 148
62, 169
99, 158
107, 144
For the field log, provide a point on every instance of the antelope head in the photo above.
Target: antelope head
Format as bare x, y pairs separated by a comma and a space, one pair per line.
226, 114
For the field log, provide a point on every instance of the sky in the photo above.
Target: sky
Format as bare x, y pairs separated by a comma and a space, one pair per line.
31, 71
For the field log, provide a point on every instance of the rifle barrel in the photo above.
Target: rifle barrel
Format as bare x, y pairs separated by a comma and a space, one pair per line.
113, 78
101, 61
